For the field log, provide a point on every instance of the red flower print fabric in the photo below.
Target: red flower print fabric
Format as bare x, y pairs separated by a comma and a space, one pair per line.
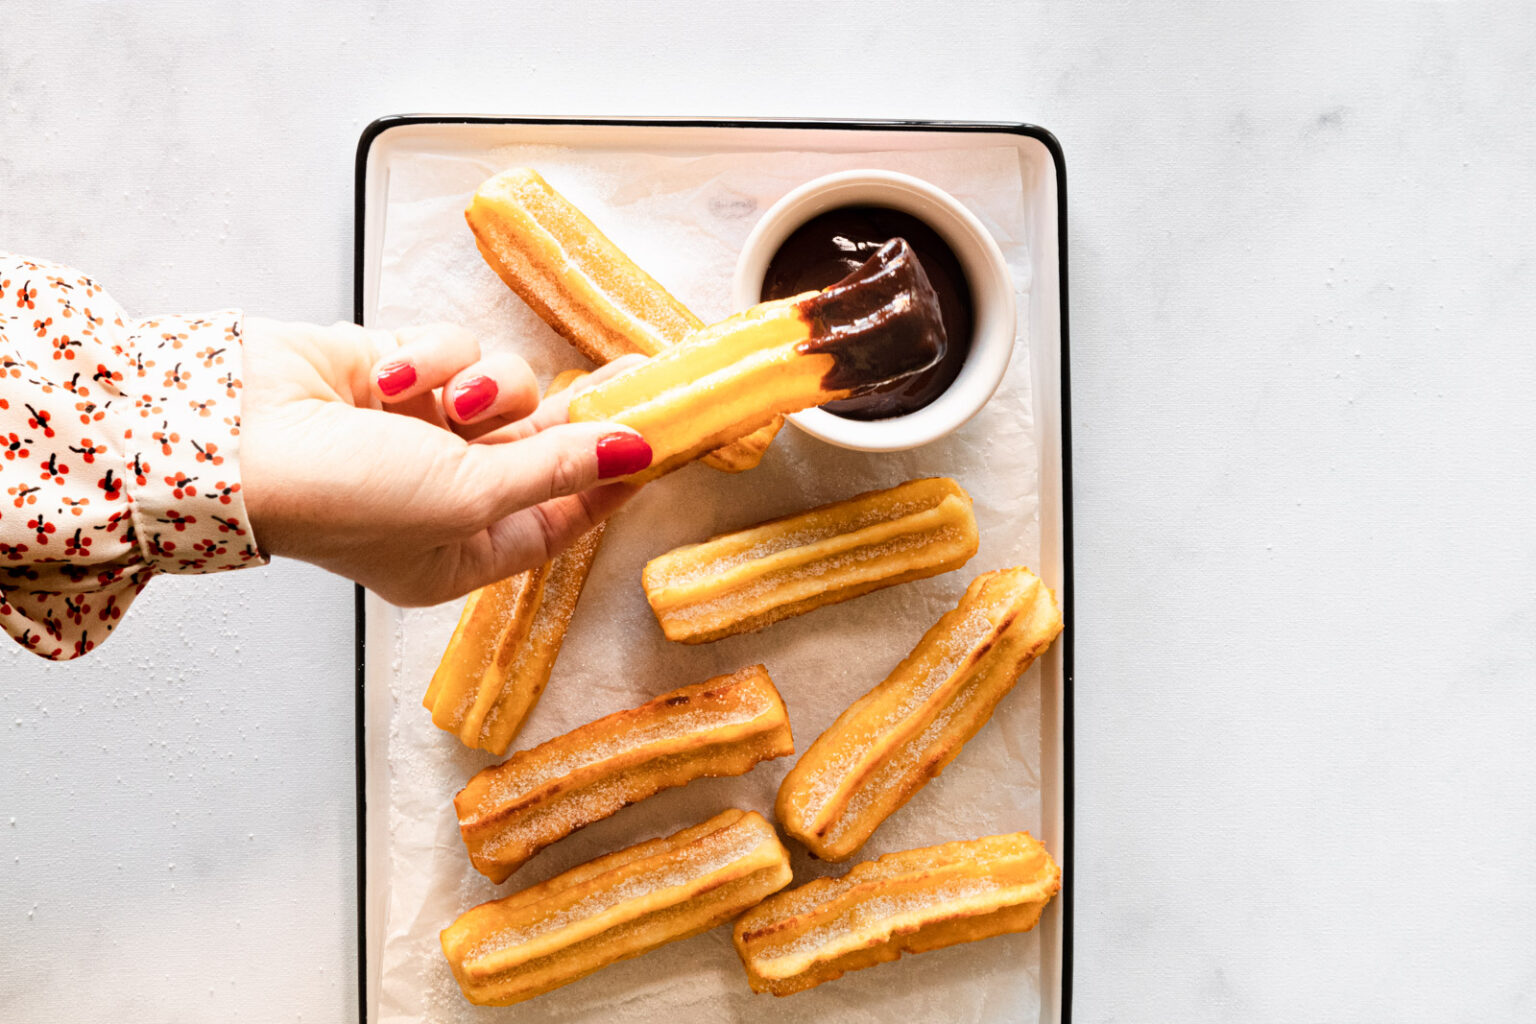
119, 455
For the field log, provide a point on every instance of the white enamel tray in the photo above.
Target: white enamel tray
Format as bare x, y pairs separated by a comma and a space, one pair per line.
387, 681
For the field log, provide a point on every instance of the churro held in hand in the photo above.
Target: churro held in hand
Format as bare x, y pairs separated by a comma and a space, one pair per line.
908, 902
501, 653
584, 286
901, 734
878, 324
742, 581
723, 726
614, 908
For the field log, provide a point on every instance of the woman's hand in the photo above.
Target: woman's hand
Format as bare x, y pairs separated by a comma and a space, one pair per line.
405, 461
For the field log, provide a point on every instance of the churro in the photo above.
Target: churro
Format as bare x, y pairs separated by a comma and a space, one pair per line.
742, 581
501, 653
908, 902
615, 907
723, 726
878, 324
584, 286
901, 734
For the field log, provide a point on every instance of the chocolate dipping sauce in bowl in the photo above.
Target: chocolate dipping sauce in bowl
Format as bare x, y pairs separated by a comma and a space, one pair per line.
818, 233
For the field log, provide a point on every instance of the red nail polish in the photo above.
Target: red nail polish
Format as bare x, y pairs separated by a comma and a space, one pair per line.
396, 377
621, 454
473, 396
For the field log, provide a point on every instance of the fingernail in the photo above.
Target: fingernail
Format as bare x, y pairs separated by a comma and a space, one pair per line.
396, 377
473, 396
621, 454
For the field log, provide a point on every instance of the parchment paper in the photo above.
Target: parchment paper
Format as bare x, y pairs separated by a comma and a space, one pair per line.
683, 217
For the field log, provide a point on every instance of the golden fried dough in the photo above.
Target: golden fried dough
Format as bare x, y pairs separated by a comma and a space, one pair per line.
723, 726
742, 581
901, 734
908, 902
583, 285
614, 908
501, 653
878, 324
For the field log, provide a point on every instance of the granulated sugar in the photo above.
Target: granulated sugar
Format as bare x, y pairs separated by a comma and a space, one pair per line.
955, 645
876, 918
792, 583
701, 859
547, 768
685, 570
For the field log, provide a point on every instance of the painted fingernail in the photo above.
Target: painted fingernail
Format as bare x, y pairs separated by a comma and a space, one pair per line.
473, 397
396, 377
621, 454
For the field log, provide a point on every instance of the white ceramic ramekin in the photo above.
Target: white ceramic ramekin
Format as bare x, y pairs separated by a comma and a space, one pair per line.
980, 258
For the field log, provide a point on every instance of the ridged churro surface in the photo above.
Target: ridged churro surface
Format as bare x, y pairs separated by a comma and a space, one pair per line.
723, 726
742, 581
499, 658
894, 739
614, 908
908, 902
731, 378
582, 285
570, 273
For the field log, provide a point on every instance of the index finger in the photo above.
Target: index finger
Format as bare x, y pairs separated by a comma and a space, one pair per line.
555, 408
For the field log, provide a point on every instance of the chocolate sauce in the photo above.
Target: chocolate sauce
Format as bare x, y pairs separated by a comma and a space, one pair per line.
828, 247
879, 324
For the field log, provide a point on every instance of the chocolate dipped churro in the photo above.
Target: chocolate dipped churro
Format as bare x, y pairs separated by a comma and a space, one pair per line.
878, 324
908, 902
501, 653
723, 726
584, 286
901, 734
614, 908
742, 581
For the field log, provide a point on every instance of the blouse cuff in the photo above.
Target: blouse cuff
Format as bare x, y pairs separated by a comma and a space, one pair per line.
183, 445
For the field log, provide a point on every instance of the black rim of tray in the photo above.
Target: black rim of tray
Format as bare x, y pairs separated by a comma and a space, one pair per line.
384, 124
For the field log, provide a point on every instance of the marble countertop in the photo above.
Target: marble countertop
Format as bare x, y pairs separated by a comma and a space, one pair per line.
1303, 271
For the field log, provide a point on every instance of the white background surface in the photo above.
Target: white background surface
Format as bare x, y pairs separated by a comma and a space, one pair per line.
1303, 287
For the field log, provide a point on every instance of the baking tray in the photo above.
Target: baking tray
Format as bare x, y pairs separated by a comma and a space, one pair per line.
1046, 203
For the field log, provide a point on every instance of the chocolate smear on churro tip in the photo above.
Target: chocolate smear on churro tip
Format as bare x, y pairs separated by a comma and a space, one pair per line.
879, 323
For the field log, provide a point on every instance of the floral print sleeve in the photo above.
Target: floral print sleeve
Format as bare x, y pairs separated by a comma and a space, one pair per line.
119, 455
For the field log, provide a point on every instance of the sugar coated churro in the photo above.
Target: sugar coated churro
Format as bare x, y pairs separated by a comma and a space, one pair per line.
745, 580
723, 726
584, 286
878, 324
901, 734
614, 908
908, 902
501, 653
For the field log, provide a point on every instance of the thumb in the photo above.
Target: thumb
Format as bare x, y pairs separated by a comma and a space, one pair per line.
564, 459
535, 535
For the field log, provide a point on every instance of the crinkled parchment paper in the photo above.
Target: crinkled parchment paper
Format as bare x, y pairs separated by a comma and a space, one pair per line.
683, 216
